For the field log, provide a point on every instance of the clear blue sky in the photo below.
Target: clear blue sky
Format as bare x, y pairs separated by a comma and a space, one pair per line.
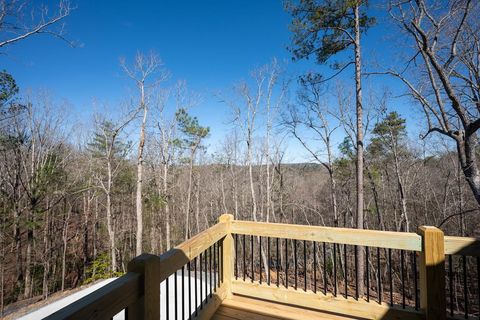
211, 44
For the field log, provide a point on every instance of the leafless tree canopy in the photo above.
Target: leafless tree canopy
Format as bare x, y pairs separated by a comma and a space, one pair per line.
20, 20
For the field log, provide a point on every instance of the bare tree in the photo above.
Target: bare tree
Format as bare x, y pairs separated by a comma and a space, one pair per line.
446, 45
193, 135
108, 147
144, 68
165, 142
19, 21
254, 100
313, 114
42, 159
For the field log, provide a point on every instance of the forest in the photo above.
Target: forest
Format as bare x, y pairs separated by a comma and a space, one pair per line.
78, 202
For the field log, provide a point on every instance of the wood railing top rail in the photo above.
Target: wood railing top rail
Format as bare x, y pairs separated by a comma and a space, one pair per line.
466, 246
370, 238
177, 257
105, 302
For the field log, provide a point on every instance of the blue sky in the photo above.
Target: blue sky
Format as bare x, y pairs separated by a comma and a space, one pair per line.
211, 44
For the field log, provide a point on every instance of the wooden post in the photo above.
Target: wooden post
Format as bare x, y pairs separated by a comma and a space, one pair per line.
147, 307
228, 254
432, 273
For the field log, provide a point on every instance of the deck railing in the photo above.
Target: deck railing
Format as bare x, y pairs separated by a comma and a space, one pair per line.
305, 266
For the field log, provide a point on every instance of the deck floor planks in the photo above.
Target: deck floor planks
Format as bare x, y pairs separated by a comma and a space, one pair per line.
239, 308
239, 314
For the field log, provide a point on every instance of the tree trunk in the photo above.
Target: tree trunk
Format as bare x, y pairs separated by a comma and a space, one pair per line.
468, 160
167, 205
110, 226
86, 216
250, 175
46, 253
373, 186
141, 145
333, 182
359, 111
189, 197
197, 208
2, 279
64, 251
401, 188
28, 260
18, 246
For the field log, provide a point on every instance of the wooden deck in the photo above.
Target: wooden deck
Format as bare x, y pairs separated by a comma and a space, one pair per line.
240, 308
237, 292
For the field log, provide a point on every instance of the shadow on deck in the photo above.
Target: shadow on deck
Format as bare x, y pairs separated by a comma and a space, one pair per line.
240, 307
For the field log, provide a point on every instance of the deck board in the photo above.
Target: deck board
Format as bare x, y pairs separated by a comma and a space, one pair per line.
239, 308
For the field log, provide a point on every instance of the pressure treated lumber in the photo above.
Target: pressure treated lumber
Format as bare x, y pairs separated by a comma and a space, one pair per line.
432, 273
326, 303
177, 257
369, 238
105, 302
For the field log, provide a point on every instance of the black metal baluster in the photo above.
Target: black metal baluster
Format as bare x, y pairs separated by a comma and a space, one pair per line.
201, 282
478, 282
167, 298
450, 282
355, 252
415, 280
236, 256
205, 257
286, 263
217, 263
295, 260
183, 292
260, 258
314, 267
325, 268
278, 261
215, 266
268, 261
176, 295
190, 289
379, 278
402, 266
335, 269
210, 264
244, 259
305, 265
345, 275
196, 286
367, 270
221, 260
251, 256
465, 288
390, 277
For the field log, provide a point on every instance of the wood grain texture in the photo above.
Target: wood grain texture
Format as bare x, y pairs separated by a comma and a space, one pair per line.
369, 238
228, 253
462, 246
432, 273
147, 307
105, 302
239, 307
337, 306
224, 312
177, 257
213, 303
